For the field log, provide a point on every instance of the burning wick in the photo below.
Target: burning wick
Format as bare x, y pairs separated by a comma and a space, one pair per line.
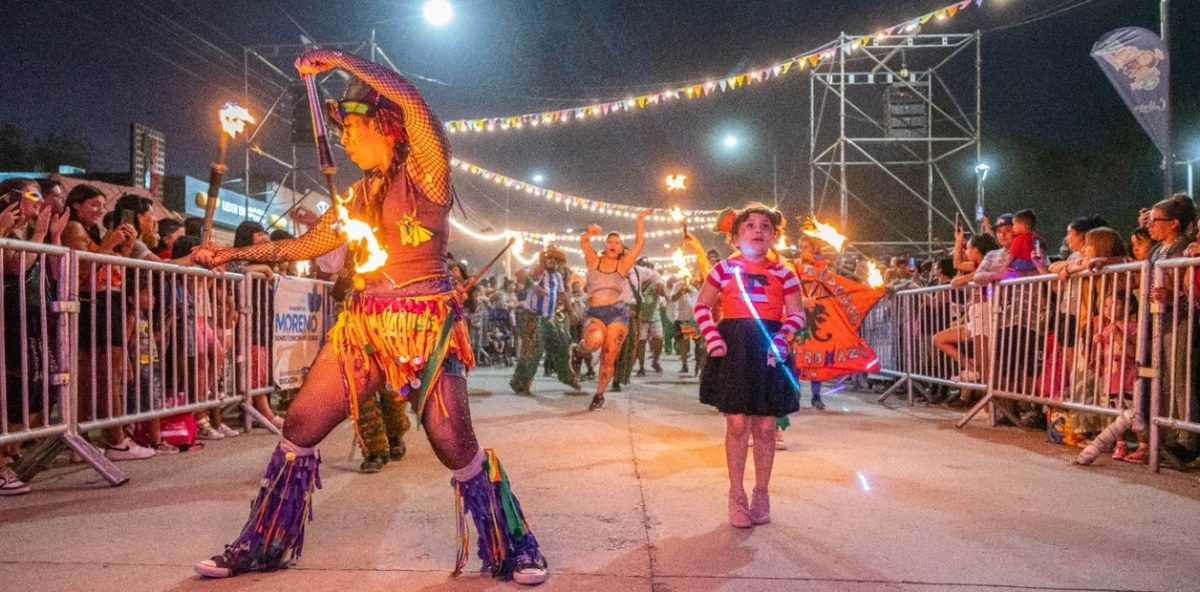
234, 119
685, 272
675, 182
825, 232
360, 232
874, 277
677, 215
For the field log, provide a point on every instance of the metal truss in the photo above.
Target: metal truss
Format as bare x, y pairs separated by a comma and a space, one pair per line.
893, 125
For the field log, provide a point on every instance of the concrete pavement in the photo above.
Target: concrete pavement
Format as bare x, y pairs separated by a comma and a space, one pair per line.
632, 497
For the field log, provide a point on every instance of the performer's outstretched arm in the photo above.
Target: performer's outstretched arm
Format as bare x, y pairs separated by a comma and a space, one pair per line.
320, 239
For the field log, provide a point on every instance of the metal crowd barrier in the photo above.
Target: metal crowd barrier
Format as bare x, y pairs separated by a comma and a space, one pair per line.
932, 338
94, 342
33, 340
1174, 413
1098, 343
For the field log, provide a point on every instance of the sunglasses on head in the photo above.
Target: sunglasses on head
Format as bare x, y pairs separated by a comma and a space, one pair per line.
348, 107
31, 195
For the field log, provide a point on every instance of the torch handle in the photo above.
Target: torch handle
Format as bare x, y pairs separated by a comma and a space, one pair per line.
478, 276
215, 175
320, 138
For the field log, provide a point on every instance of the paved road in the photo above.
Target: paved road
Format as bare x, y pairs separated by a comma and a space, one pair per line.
632, 497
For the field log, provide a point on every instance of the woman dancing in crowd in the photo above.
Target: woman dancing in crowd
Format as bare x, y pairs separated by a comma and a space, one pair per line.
746, 376
402, 329
608, 318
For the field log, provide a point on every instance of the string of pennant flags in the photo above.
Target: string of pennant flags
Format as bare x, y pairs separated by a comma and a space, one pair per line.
697, 217
809, 59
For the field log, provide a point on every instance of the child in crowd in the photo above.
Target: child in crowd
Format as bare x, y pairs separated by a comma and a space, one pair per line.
1141, 244
1116, 336
1027, 253
145, 387
745, 376
196, 324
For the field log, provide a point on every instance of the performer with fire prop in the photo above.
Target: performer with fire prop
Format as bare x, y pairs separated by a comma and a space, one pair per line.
829, 346
403, 328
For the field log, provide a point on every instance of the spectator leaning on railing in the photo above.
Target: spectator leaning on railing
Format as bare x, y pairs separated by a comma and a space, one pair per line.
25, 216
101, 360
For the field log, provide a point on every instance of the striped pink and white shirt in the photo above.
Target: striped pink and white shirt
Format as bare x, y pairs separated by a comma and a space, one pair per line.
766, 283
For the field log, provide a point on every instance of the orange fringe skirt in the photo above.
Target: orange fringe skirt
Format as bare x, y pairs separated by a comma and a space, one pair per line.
398, 335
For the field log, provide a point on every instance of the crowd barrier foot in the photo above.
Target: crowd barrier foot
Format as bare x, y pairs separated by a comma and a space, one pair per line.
892, 390
973, 411
38, 457
95, 457
252, 416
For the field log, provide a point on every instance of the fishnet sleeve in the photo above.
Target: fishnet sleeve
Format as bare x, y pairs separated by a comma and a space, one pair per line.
320, 239
429, 150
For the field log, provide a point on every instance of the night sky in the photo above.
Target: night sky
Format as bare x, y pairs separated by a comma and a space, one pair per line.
1054, 130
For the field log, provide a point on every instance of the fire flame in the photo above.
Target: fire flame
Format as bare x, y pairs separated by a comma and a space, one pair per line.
676, 182
234, 119
825, 232
685, 270
371, 256
676, 214
874, 277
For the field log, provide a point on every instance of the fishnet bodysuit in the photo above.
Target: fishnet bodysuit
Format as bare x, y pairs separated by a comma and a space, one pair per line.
322, 402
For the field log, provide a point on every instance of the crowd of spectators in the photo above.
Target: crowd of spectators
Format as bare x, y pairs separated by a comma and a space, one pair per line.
146, 340
1067, 338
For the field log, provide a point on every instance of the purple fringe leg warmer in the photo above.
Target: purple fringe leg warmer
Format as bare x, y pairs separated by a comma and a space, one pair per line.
274, 534
504, 536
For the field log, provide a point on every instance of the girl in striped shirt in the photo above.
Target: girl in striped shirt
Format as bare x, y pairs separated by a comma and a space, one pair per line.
746, 376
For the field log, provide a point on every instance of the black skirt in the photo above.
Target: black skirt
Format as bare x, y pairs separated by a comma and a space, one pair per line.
741, 382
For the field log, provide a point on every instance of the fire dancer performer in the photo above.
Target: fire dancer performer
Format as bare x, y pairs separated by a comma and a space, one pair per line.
607, 324
402, 329
746, 376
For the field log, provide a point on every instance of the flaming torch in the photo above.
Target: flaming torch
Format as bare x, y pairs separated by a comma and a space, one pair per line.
819, 230
685, 271
233, 122
874, 277
677, 215
370, 255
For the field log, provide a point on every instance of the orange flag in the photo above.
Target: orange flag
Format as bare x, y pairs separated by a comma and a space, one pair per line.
828, 346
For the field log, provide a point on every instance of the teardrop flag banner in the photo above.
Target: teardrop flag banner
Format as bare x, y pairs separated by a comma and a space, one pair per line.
1137, 63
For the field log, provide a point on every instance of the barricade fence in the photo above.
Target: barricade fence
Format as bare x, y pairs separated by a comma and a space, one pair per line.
1119, 340
97, 342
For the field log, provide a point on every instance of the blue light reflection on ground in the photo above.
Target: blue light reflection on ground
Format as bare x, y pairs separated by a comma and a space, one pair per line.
862, 481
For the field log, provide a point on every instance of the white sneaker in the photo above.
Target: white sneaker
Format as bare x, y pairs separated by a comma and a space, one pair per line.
10, 484
227, 431
205, 431
128, 450
163, 449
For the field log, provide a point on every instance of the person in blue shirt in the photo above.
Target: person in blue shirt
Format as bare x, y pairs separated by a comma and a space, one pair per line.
535, 323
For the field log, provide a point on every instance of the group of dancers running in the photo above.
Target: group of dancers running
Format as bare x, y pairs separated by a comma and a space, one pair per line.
403, 331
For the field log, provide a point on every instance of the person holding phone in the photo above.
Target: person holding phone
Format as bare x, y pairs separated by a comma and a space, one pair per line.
101, 317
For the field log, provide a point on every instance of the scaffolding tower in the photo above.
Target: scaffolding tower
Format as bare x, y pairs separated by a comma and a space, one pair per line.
895, 127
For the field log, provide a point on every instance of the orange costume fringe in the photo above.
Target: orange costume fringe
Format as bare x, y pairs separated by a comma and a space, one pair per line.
400, 335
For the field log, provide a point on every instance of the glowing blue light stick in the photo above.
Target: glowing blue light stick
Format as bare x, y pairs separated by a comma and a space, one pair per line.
782, 359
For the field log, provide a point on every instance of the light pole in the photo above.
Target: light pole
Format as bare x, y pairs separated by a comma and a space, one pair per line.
1190, 164
981, 171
